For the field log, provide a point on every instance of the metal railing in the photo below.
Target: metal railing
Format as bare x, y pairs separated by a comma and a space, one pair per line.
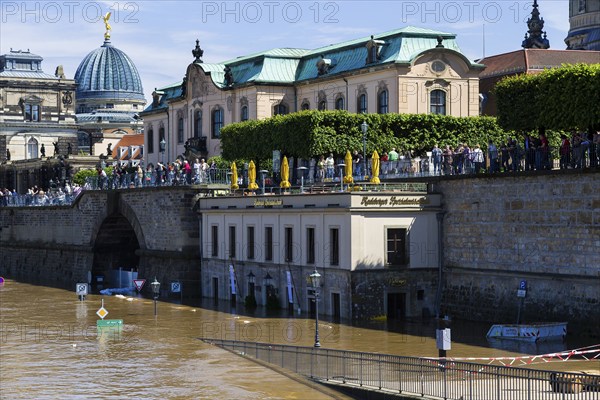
152, 178
433, 378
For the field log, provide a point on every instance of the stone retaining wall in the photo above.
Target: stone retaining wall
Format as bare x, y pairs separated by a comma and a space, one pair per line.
541, 229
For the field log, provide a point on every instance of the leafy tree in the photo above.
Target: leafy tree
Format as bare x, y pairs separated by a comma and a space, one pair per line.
81, 175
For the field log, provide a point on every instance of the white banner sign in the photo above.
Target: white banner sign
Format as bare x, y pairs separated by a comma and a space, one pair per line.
232, 279
289, 287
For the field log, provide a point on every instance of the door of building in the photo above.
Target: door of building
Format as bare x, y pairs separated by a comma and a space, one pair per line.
336, 307
215, 288
396, 305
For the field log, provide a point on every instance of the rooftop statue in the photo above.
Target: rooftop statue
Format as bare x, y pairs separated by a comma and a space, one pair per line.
107, 25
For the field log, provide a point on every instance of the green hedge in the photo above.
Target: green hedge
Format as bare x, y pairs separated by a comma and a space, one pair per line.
560, 99
309, 134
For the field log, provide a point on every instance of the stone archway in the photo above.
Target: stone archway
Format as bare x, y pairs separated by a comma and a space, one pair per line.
115, 248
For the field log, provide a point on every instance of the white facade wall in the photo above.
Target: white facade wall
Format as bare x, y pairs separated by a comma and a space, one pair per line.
362, 242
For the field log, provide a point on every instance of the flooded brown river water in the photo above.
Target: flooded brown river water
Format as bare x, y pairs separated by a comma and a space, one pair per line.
50, 349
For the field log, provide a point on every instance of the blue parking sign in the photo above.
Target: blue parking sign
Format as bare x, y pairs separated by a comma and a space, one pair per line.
523, 285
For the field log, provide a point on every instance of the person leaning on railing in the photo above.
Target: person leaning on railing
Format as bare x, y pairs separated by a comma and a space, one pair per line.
565, 152
596, 148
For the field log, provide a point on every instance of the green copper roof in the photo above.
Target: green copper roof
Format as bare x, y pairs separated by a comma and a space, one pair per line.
289, 65
169, 92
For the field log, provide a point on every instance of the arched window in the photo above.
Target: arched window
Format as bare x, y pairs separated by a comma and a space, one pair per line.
217, 122
32, 148
244, 113
305, 106
280, 109
150, 141
161, 134
382, 102
322, 105
362, 104
437, 102
339, 103
180, 130
198, 123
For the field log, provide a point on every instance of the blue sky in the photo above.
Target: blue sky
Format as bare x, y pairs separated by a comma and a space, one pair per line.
159, 35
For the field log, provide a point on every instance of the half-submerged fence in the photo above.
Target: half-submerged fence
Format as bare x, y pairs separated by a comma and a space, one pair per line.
426, 377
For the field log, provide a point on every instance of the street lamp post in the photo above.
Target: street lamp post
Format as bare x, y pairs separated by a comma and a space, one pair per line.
364, 128
302, 170
155, 291
263, 173
341, 166
315, 279
268, 289
162, 147
251, 280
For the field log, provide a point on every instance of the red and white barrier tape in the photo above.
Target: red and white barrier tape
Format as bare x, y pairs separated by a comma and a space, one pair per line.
525, 360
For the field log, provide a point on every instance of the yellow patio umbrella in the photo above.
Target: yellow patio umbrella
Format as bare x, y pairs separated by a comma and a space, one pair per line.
348, 168
285, 174
375, 168
252, 176
234, 176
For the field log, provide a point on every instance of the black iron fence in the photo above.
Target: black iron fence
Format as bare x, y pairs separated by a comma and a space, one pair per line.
426, 377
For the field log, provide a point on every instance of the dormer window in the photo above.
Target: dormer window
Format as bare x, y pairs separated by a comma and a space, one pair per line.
228, 76
156, 97
374, 50
323, 65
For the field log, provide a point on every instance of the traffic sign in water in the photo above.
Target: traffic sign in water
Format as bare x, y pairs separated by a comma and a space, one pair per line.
112, 327
1, 280
139, 284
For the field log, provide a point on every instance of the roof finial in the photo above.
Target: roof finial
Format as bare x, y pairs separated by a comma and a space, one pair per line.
440, 39
107, 26
533, 37
197, 52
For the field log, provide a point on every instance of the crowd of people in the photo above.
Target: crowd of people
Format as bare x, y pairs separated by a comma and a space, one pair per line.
55, 195
178, 172
580, 150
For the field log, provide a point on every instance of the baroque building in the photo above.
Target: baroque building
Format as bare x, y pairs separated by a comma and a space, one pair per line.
37, 121
36, 109
409, 70
584, 18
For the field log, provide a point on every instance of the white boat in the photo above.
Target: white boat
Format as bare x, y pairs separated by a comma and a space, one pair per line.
536, 332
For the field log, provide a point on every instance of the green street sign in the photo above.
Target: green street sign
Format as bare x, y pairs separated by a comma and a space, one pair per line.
109, 327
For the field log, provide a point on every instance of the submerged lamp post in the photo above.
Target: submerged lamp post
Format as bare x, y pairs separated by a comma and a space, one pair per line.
162, 147
268, 284
155, 291
364, 127
251, 281
315, 279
